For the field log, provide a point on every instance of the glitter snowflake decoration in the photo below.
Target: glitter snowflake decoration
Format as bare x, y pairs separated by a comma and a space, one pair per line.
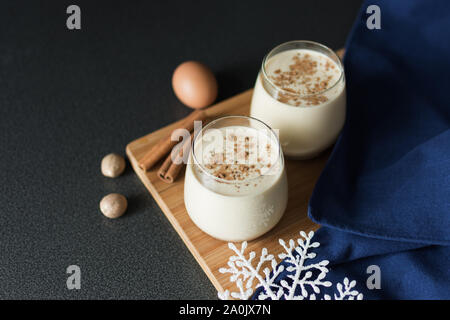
304, 278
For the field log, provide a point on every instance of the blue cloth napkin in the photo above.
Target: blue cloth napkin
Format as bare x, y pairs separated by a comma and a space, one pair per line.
384, 196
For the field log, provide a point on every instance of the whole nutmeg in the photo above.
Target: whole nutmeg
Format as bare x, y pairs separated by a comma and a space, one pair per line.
113, 205
113, 165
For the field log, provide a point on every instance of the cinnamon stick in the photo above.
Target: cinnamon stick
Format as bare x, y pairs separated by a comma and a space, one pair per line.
170, 169
164, 168
341, 53
166, 144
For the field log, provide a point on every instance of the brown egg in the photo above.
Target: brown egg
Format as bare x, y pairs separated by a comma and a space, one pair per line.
194, 84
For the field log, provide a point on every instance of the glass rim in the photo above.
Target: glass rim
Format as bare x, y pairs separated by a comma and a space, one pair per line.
333, 53
203, 169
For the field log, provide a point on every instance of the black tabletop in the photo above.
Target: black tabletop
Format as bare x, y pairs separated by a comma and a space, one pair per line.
69, 97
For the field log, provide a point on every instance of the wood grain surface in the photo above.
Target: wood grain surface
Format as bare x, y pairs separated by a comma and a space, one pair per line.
210, 253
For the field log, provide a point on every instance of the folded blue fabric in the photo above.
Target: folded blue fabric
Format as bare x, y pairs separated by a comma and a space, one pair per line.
389, 175
384, 196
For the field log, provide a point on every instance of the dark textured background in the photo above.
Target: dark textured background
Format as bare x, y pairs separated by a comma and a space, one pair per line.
67, 98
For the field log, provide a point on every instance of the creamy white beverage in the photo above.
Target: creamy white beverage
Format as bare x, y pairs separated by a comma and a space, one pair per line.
300, 91
235, 186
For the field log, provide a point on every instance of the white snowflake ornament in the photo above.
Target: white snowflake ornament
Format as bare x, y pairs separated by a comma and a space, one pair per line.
244, 270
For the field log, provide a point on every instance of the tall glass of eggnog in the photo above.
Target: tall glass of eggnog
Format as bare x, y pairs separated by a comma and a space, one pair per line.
300, 90
236, 187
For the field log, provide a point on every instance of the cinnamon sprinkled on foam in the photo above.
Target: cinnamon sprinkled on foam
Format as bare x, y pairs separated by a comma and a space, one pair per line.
244, 154
305, 77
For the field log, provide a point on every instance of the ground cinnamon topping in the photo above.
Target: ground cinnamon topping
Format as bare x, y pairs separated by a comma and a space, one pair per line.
235, 171
303, 81
239, 160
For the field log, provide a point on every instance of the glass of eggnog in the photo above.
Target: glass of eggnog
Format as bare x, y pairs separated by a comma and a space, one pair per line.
300, 90
235, 186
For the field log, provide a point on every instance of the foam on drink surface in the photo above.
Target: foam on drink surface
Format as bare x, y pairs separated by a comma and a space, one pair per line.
237, 160
303, 75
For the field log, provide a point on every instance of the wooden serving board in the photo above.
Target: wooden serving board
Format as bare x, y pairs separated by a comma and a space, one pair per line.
210, 253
